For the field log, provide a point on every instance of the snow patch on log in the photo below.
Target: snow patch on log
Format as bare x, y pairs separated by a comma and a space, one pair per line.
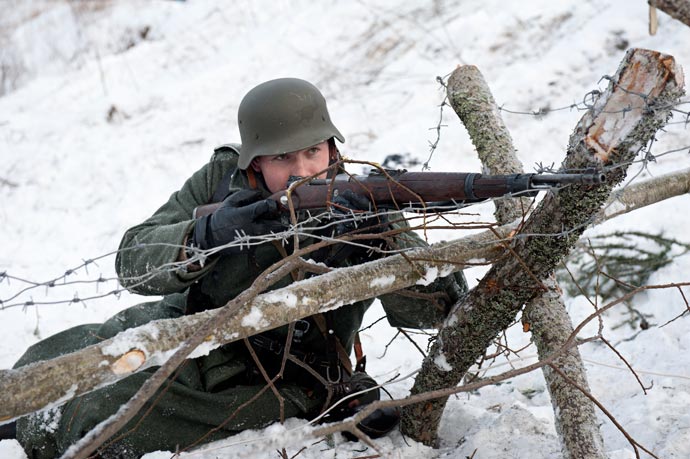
477, 261
430, 275
382, 282
434, 272
133, 338
255, 319
205, 348
451, 320
442, 363
287, 298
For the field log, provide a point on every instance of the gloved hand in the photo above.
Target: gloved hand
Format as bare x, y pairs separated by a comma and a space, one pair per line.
355, 212
378, 423
352, 213
243, 212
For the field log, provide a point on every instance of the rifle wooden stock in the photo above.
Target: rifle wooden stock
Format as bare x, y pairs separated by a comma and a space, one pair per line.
417, 189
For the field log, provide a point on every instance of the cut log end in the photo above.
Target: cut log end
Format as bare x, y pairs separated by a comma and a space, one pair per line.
129, 362
627, 101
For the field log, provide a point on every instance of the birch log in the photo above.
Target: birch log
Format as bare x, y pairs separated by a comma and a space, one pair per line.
574, 414
44, 384
577, 425
637, 102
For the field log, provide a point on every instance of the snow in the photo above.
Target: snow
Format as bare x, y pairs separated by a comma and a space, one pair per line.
382, 282
285, 298
430, 275
113, 104
442, 362
254, 318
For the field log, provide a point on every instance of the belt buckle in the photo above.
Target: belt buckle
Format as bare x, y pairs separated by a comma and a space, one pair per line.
301, 329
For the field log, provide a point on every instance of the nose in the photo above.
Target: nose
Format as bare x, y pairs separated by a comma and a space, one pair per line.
302, 166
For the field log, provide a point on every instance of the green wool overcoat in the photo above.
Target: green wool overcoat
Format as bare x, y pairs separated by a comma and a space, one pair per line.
205, 400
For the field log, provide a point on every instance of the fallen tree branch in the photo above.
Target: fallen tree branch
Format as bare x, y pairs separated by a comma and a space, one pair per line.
642, 194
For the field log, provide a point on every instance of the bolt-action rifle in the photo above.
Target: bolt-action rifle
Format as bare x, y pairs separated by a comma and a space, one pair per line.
402, 189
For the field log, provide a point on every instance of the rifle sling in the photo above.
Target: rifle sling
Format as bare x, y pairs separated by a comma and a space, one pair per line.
322, 322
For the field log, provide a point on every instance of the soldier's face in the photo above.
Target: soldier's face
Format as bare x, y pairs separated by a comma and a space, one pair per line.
277, 169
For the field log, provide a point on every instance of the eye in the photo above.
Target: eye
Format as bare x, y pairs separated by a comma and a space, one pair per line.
282, 157
314, 151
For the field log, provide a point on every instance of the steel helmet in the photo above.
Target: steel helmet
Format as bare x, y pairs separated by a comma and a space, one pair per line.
280, 116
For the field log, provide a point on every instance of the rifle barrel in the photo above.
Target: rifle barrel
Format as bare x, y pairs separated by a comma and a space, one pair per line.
591, 178
417, 188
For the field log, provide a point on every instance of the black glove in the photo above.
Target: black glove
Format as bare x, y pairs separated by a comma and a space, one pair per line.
355, 212
378, 423
352, 213
243, 212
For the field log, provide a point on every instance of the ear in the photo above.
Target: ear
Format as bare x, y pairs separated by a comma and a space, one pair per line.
255, 165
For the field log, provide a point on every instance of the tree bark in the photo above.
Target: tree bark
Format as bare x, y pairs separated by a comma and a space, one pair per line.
575, 414
624, 118
677, 9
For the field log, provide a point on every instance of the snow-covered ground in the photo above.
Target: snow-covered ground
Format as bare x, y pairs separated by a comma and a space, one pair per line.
109, 106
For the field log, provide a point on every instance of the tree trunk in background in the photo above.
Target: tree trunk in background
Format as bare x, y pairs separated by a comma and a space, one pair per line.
575, 414
624, 118
677, 9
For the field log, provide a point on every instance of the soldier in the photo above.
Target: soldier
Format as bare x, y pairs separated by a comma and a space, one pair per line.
286, 132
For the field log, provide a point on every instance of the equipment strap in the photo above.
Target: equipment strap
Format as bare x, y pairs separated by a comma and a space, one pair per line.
321, 322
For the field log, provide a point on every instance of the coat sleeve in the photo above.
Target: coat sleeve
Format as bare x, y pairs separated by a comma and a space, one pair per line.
422, 306
148, 252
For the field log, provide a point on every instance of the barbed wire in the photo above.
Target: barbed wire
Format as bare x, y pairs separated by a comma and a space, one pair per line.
588, 102
433, 145
313, 226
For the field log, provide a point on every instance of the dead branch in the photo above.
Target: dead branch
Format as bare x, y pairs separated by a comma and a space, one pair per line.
642, 194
